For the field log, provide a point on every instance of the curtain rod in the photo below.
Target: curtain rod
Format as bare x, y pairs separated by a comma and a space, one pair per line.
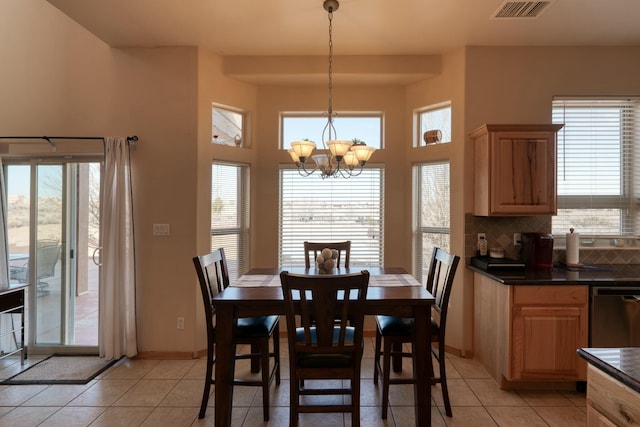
130, 139
133, 138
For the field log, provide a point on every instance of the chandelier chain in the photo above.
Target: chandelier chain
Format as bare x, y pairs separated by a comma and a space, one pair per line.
330, 84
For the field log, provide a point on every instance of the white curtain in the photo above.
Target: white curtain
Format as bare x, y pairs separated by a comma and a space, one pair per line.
7, 342
4, 245
117, 335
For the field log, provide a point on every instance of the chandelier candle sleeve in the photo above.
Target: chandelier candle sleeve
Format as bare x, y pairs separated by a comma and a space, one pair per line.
303, 149
339, 147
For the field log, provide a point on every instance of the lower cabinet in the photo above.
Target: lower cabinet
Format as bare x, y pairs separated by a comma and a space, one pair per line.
609, 402
530, 333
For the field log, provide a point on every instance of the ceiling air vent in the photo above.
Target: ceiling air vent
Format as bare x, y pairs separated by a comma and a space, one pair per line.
521, 9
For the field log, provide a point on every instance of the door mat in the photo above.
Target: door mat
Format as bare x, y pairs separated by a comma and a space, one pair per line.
61, 369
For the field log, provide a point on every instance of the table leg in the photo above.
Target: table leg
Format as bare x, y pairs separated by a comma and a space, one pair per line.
225, 364
421, 366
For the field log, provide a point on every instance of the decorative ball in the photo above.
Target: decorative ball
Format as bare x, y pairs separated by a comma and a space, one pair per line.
329, 264
326, 253
320, 259
334, 254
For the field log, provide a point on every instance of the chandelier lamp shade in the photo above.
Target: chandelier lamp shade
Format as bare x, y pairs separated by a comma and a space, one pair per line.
344, 158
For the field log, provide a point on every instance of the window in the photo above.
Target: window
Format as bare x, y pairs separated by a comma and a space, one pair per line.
431, 213
230, 215
332, 210
227, 126
598, 166
436, 117
366, 127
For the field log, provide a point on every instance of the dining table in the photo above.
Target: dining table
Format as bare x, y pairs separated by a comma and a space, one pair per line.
391, 291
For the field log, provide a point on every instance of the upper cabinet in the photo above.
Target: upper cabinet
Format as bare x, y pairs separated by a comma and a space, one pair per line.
515, 170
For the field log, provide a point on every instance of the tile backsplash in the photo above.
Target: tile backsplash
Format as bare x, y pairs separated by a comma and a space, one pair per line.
499, 232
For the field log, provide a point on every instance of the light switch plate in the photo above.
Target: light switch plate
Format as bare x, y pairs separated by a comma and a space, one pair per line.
160, 229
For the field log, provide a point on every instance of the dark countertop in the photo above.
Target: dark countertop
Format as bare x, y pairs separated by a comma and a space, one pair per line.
623, 364
613, 274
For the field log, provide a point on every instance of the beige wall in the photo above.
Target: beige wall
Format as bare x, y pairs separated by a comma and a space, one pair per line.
62, 80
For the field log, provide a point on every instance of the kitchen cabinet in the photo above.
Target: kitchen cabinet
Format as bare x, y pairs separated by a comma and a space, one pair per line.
549, 324
609, 402
613, 392
530, 333
515, 170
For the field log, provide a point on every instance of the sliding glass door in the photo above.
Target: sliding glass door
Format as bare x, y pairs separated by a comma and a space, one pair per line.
53, 234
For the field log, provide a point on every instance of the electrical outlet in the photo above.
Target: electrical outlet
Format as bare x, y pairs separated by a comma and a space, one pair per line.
180, 324
517, 239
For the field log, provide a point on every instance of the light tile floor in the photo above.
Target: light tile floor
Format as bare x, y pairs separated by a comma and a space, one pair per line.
168, 393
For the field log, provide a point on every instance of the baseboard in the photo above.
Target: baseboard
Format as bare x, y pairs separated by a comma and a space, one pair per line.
176, 355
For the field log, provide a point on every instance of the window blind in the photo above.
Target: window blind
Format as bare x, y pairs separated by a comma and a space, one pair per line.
332, 209
230, 215
598, 168
431, 213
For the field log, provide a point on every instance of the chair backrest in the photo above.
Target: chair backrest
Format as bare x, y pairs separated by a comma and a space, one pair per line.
442, 271
47, 256
314, 303
315, 248
213, 277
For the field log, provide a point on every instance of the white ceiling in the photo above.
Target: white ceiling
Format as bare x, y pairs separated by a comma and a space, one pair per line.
360, 27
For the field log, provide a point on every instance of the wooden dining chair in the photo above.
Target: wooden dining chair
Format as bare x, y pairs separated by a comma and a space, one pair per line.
315, 248
397, 330
320, 348
254, 331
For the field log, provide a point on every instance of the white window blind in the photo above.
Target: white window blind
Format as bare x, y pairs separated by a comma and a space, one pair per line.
332, 209
431, 213
230, 215
598, 168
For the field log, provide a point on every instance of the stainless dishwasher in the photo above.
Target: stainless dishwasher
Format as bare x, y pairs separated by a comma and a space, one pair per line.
614, 317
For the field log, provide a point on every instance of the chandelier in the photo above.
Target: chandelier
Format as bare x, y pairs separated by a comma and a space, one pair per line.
344, 158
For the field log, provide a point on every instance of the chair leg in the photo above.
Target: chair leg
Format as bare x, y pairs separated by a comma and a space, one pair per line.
376, 356
264, 357
294, 400
386, 368
207, 383
276, 352
443, 379
255, 361
355, 402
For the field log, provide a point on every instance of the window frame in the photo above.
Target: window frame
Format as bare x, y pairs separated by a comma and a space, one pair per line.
418, 118
625, 202
239, 264
245, 122
359, 253
421, 260
284, 144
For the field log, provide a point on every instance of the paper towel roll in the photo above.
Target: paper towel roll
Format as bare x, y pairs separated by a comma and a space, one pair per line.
573, 248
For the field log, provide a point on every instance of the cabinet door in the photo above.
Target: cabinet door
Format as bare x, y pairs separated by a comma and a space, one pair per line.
545, 340
523, 175
596, 419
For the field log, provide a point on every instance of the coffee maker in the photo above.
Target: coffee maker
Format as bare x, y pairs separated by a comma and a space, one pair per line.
537, 250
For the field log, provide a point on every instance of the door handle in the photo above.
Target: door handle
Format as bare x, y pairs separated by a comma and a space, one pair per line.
93, 257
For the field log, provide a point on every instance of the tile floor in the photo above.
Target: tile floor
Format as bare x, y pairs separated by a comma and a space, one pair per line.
168, 392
